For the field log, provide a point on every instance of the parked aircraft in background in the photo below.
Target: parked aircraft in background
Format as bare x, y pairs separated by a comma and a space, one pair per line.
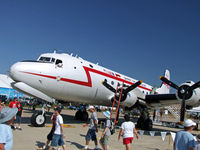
6, 91
72, 79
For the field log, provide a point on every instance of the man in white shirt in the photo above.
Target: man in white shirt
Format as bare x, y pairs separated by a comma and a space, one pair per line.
58, 134
127, 130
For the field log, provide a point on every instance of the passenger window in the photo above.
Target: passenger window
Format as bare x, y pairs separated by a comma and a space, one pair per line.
59, 63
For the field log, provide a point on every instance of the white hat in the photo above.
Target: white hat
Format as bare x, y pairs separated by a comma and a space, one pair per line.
7, 114
90, 107
189, 123
107, 114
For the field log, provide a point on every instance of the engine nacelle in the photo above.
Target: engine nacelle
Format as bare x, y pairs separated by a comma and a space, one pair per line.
192, 98
130, 100
132, 97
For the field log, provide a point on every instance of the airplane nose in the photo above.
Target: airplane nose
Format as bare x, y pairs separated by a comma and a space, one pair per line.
15, 70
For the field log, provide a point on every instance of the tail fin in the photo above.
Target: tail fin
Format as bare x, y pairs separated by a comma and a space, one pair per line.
164, 88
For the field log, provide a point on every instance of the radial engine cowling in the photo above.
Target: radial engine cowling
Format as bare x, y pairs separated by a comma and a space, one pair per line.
192, 97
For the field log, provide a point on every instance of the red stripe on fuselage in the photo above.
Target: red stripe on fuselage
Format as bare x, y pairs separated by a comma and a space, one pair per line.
89, 82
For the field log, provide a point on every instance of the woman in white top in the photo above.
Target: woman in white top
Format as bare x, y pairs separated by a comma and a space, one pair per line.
127, 130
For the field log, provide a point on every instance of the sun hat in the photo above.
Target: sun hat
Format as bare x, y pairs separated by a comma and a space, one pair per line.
189, 123
7, 114
90, 107
107, 114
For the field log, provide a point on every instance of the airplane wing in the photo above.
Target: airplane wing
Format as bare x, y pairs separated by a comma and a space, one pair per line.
161, 100
7, 82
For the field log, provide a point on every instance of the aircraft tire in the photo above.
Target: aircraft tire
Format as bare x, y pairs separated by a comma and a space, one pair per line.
81, 115
144, 124
38, 120
84, 116
78, 115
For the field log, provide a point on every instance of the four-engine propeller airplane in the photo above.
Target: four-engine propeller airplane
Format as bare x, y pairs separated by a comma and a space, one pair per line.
72, 79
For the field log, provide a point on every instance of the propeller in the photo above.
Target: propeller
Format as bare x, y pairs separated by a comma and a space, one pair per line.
125, 91
184, 92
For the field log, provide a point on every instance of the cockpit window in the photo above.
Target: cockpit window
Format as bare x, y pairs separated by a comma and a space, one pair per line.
59, 63
47, 59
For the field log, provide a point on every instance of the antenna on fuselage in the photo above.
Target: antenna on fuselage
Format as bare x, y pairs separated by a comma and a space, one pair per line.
71, 54
54, 51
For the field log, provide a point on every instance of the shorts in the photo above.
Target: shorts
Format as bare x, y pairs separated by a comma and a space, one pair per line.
128, 140
105, 140
91, 134
57, 140
18, 119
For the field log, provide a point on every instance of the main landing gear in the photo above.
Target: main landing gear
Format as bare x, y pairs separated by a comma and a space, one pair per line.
144, 122
81, 115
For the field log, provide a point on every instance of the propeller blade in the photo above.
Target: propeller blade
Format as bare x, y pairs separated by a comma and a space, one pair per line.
182, 116
194, 86
108, 86
133, 86
170, 83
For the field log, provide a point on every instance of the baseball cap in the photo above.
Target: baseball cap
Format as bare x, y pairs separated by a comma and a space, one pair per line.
90, 107
189, 123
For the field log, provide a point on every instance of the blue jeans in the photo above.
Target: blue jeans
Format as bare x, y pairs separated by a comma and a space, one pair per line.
57, 140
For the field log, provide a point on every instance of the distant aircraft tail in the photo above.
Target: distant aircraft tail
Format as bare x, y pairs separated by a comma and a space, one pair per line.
164, 88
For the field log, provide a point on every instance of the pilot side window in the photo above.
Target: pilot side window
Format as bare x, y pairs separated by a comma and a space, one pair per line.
59, 63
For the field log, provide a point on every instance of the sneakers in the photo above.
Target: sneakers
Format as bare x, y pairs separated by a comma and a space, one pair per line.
43, 147
19, 128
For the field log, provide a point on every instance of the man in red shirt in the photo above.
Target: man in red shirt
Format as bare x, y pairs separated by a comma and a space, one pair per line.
17, 104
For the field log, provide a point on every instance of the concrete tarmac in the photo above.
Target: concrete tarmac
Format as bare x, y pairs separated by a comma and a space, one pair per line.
31, 138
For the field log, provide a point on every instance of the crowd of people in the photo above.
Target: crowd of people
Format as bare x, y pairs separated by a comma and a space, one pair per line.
11, 115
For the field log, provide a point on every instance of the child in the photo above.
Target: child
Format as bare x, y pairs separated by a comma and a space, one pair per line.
127, 130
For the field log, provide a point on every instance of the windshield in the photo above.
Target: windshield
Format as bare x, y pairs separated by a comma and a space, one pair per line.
46, 59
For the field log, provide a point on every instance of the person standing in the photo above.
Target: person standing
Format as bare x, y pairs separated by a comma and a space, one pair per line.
1, 103
184, 140
127, 130
106, 133
17, 104
19, 115
58, 134
91, 134
7, 116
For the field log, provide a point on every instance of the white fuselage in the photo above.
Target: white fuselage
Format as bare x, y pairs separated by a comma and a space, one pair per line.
72, 79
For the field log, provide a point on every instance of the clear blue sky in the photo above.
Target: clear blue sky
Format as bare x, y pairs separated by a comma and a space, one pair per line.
136, 38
